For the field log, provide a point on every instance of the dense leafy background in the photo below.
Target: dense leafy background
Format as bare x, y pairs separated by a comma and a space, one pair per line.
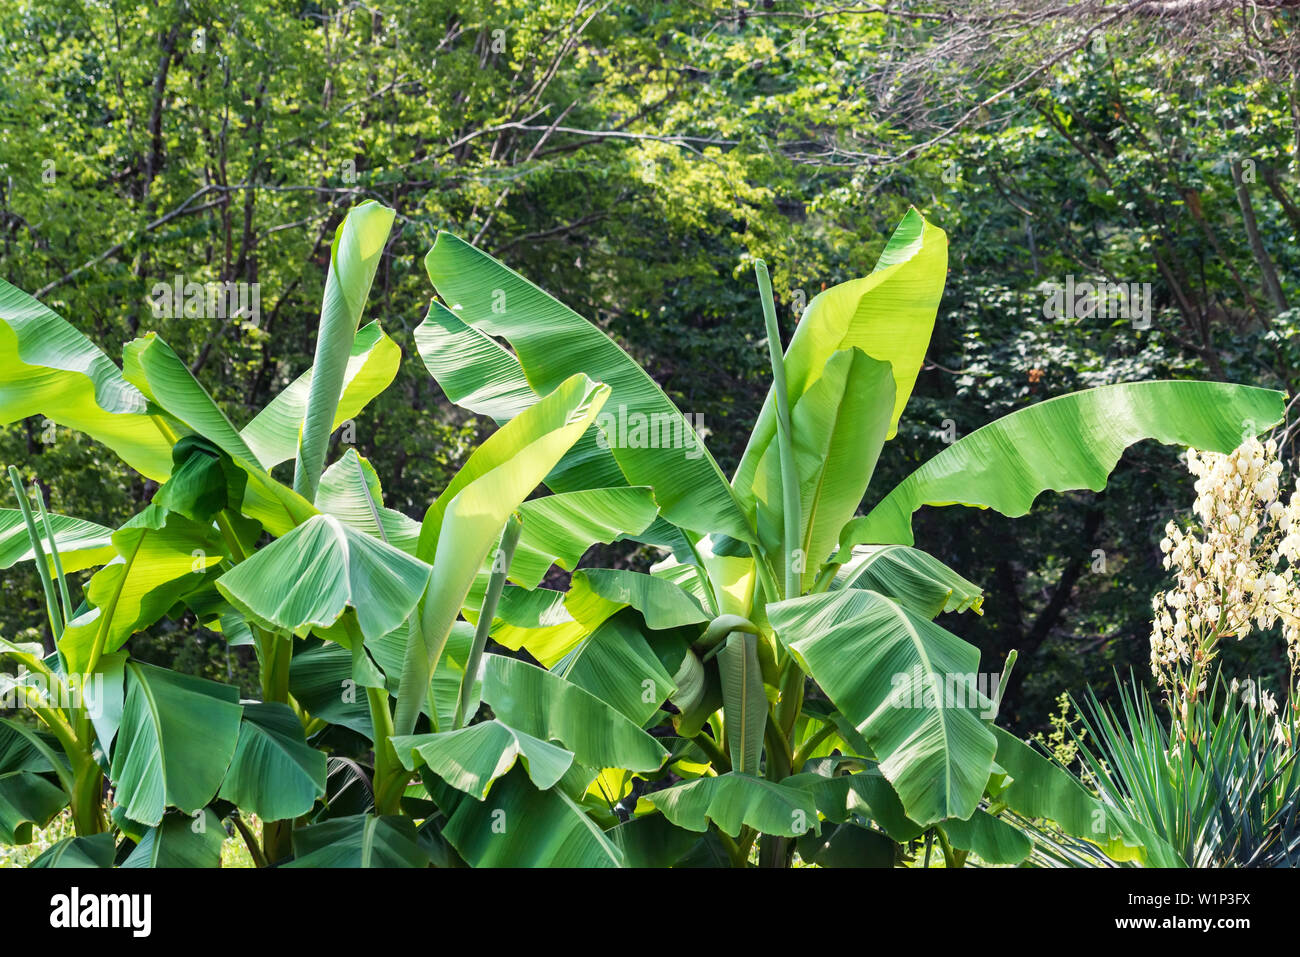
633, 158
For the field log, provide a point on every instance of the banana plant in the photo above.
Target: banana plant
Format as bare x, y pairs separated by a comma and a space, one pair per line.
776, 683
785, 652
351, 607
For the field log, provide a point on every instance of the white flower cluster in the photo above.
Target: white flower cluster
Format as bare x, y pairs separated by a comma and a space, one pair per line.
1234, 566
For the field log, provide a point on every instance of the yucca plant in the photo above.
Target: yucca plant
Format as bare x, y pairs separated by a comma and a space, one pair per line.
1225, 795
778, 674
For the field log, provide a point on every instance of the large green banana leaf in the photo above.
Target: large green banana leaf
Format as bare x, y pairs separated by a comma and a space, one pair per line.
160, 556
372, 364
462, 526
848, 845
474, 370
866, 793
537, 621
616, 664
478, 373
354, 257
181, 840
176, 740
552, 342
744, 703
360, 840
1069, 442
27, 800
308, 578
558, 529
23, 748
651, 840
350, 491
913, 578
521, 826
991, 839
320, 680
734, 800
577, 399
274, 773
152, 366
27, 749
49, 368
838, 427
95, 851
546, 706
181, 406
81, 544
471, 759
597, 593
907, 685
889, 315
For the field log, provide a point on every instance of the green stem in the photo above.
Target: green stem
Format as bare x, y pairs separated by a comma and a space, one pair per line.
390, 776
766, 578
738, 857
496, 583
950, 859
778, 750
784, 441
250, 840
86, 777
54, 556
804, 750
276, 654
774, 850
59, 727
85, 785
743, 844
87, 809
237, 553
704, 575
38, 553
790, 701
824, 578
716, 755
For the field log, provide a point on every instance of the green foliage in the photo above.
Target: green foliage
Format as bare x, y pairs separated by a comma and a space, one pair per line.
712, 615
689, 139
1225, 795
1059, 743
635, 161
902, 690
